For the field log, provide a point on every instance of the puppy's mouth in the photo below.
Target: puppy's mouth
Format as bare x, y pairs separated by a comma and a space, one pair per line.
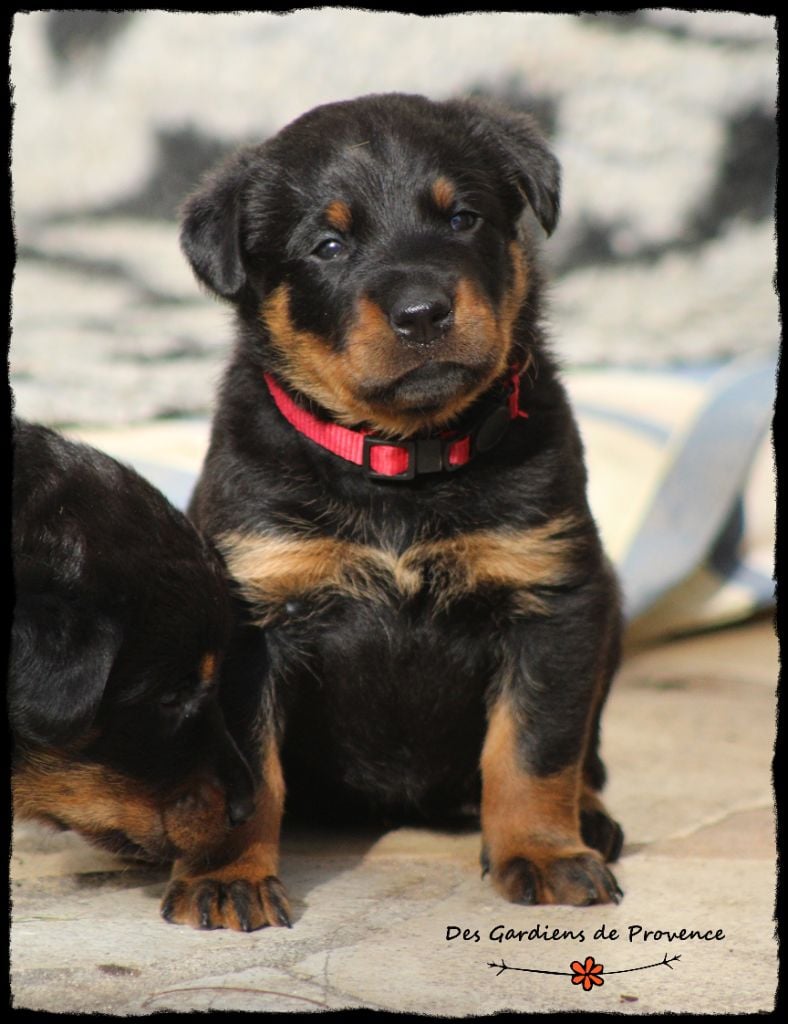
426, 389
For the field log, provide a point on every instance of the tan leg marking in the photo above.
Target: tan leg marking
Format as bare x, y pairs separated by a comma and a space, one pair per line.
531, 826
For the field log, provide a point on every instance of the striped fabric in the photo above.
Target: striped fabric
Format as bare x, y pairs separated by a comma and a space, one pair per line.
682, 485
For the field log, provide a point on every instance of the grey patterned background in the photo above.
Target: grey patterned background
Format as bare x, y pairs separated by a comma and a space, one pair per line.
664, 122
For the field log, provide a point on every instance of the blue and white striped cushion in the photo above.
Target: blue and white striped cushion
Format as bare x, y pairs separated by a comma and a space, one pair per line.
681, 483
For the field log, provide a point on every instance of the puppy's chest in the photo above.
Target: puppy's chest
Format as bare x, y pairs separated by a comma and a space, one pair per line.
285, 575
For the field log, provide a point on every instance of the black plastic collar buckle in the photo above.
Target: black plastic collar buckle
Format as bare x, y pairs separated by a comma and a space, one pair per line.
425, 455
378, 442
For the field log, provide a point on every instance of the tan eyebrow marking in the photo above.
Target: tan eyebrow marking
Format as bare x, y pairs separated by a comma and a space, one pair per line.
208, 669
443, 192
339, 216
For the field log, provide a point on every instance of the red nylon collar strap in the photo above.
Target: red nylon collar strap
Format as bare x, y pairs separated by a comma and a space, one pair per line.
403, 460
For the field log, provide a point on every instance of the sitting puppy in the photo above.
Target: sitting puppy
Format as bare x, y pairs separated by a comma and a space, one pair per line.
397, 485
120, 617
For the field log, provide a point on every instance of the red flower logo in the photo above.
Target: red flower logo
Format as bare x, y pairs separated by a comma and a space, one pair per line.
587, 974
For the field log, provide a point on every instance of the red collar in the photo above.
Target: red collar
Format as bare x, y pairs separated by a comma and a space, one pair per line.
403, 460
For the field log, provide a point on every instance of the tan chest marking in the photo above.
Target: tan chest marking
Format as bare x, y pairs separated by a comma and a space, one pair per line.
274, 568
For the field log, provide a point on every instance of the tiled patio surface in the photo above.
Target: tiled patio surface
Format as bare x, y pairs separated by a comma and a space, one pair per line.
688, 741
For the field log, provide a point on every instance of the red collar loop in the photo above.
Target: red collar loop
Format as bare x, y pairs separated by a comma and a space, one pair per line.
382, 458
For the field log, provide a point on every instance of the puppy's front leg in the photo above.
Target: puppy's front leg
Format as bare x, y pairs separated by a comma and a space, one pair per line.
237, 887
535, 785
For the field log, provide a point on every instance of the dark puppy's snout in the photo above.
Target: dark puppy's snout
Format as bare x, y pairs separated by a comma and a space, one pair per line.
232, 771
238, 786
420, 316
240, 808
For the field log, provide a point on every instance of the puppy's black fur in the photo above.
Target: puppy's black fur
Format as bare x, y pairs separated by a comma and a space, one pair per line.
381, 260
121, 615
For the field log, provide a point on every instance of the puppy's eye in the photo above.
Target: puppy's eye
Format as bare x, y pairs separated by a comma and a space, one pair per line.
177, 698
464, 220
173, 700
330, 249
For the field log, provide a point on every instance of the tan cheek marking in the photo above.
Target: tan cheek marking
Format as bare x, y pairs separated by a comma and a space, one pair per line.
473, 314
480, 334
370, 325
308, 363
372, 350
518, 290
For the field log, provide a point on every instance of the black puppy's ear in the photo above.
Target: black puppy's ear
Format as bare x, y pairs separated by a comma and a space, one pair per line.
531, 166
61, 658
211, 227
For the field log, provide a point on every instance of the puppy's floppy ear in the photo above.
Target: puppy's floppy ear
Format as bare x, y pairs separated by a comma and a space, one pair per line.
530, 165
61, 657
211, 227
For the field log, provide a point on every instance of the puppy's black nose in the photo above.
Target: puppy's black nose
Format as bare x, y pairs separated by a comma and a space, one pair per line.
240, 809
421, 317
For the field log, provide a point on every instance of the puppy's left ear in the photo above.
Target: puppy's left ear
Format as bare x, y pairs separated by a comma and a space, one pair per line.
61, 657
529, 164
211, 227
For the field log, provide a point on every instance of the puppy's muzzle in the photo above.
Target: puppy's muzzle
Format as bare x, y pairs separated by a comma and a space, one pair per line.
231, 770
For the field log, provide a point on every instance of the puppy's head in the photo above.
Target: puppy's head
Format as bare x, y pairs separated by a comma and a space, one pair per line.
377, 253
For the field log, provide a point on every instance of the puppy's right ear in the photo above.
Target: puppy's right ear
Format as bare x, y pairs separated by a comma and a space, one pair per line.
61, 658
211, 227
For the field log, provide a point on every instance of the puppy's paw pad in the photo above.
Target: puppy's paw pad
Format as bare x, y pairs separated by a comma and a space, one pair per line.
579, 880
518, 880
239, 904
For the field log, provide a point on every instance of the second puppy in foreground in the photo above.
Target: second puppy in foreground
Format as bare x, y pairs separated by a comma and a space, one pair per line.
397, 484
120, 621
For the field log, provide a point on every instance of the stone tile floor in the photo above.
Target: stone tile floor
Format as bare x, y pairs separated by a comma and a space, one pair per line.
689, 738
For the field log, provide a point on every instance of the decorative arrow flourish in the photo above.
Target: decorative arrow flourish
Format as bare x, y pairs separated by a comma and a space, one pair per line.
587, 974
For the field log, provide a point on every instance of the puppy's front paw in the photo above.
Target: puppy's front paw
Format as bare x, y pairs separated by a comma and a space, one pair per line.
241, 904
577, 880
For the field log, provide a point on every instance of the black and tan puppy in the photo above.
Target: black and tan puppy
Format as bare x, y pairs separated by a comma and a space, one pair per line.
397, 485
120, 619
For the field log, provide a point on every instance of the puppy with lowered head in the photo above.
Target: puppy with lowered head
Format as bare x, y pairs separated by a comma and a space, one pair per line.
120, 621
